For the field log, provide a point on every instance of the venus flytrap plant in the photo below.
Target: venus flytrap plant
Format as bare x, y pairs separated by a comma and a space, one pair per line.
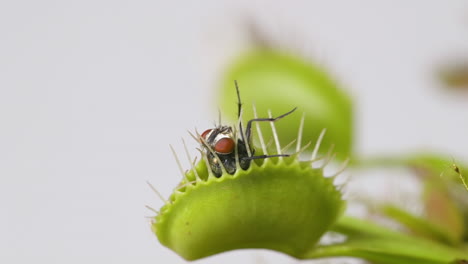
279, 203
238, 197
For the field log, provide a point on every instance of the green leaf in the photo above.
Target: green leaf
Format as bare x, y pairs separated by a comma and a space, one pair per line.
379, 244
420, 226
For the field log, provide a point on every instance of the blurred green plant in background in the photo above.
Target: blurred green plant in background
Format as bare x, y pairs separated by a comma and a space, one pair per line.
277, 81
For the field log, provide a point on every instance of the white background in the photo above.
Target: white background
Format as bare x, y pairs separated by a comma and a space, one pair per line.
93, 92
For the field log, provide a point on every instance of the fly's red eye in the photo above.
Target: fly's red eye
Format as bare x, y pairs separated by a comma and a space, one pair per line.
204, 134
224, 146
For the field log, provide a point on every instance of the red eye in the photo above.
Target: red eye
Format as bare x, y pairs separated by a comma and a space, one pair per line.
224, 146
204, 134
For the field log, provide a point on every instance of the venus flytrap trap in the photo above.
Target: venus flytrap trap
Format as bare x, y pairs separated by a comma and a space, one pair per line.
233, 199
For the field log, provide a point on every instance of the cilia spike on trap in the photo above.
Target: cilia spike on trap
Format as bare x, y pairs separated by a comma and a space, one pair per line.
222, 144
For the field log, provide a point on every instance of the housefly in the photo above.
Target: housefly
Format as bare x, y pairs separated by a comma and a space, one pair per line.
220, 143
